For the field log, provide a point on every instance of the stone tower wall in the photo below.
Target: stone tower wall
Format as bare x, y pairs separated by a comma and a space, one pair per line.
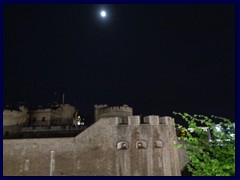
118, 111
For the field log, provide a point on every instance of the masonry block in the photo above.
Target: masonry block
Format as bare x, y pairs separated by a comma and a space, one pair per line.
158, 144
166, 120
133, 120
152, 120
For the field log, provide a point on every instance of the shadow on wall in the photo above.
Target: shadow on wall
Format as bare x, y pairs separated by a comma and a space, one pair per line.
185, 172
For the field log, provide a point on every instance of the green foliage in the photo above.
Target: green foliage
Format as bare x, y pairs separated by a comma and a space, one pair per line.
211, 152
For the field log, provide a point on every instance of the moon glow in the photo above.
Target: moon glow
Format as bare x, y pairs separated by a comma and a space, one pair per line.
103, 13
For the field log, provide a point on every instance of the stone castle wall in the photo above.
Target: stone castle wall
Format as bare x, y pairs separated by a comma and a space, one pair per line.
58, 116
106, 148
15, 117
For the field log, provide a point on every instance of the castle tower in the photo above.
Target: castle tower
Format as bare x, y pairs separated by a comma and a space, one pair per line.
103, 111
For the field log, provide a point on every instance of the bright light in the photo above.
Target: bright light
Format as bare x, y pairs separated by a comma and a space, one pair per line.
103, 13
218, 128
232, 135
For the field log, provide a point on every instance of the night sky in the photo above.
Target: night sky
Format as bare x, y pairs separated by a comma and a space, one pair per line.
155, 58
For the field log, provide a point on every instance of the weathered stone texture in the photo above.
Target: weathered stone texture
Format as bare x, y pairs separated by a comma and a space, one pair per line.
106, 148
103, 111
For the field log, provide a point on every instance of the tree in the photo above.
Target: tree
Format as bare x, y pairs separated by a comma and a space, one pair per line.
209, 143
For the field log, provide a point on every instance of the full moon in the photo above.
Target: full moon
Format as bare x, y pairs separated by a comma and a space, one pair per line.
103, 13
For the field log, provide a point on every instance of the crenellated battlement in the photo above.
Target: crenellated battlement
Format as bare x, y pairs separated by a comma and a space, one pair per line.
151, 120
125, 114
116, 108
100, 106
